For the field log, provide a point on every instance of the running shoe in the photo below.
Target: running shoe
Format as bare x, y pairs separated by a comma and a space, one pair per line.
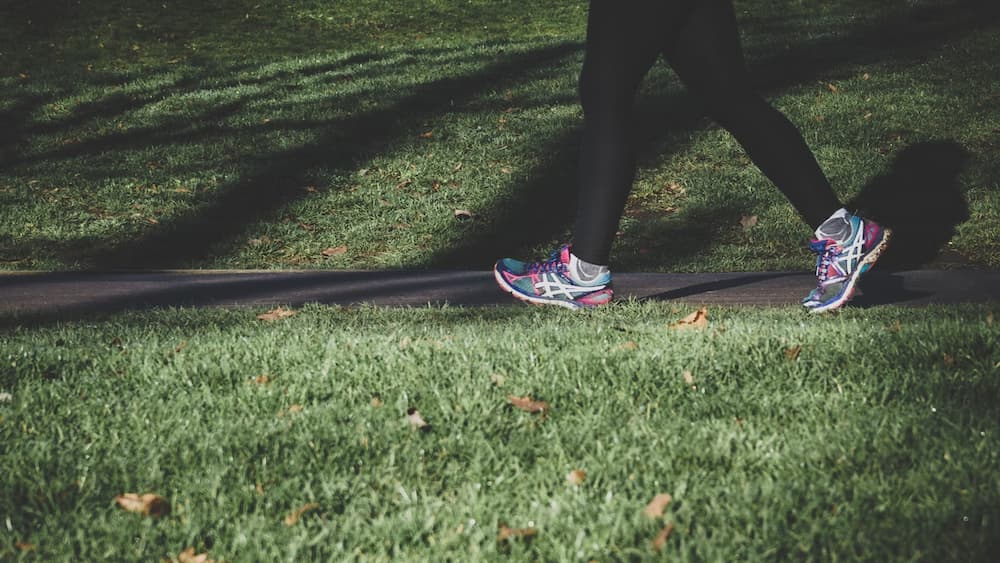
549, 283
839, 266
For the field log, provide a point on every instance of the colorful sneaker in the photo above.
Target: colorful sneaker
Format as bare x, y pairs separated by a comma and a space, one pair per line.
548, 282
839, 267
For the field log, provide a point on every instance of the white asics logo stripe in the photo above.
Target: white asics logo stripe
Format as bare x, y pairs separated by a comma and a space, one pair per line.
551, 285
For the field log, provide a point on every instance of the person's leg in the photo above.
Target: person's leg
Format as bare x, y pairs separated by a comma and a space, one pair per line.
624, 39
708, 59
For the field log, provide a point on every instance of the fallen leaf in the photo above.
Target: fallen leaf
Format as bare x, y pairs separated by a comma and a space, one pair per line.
403, 184
415, 420
576, 477
180, 347
896, 326
656, 506
464, 214
148, 504
498, 379
865, 76
189, 556
661, 539
792, 354
507, 170
427, 135
989, 319
294, 516
334, 251
290, 410
261, 380
24, 546
832, 87
696, 320
748, 222
363, 172
628, 346
505, 533
376, 401
182, 190
527, 404
276, 314
949, 360
688, 377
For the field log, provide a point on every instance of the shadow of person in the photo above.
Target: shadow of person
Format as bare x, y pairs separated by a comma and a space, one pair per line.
920, 199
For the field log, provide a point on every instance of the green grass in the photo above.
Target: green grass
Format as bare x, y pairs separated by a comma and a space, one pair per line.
879, 441
256, 135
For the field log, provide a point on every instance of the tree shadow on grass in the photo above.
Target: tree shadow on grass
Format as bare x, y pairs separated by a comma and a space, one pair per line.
536, 211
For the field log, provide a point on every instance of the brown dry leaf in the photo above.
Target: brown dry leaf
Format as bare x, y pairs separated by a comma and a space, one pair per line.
276, 314
376, 401
792, 354
661, 539
294, 516
148, 504
261, 380
415, 420
896, 326
457, 167
748, 222
688, 377
464, 214
189, 556
290, 410
865, 76
576, 477
24, 546
949, 360
334, 251
656, 506
696, 320
426, 134
180, 347
507, 170
526, 404
505, 533
403, 184
832, 87
628, 346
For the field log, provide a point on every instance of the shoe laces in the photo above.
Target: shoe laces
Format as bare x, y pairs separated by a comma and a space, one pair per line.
553, 264
826, 251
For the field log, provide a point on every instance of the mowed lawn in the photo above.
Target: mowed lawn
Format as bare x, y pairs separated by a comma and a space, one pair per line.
371, 135
868, 435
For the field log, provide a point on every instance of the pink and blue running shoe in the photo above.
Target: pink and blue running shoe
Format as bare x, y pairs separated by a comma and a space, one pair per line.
839, 266
548, 282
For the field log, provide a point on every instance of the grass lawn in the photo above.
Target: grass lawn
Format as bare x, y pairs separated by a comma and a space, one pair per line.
868, 435
258, 135
307, 134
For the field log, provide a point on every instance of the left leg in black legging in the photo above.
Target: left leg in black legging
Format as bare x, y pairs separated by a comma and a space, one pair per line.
624, 39
707, 57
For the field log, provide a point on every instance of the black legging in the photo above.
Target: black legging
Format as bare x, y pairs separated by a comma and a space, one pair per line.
699, 40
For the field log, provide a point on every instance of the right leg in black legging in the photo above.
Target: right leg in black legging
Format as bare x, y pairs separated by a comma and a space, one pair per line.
707, 57
624, 39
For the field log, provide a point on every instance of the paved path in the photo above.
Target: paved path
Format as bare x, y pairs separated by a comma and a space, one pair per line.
48, 295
